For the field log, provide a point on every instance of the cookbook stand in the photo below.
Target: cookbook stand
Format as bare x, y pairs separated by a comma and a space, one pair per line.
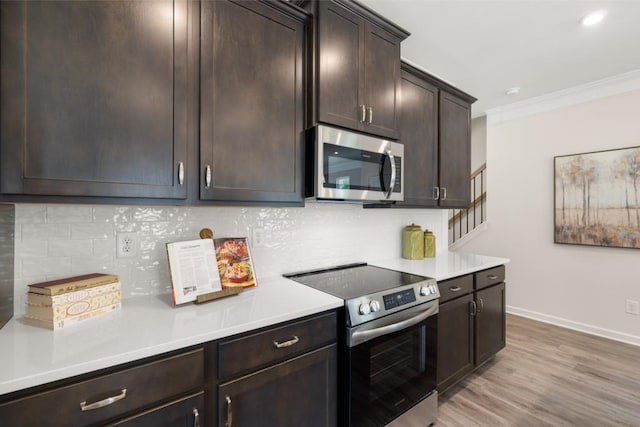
211, 296
206, 233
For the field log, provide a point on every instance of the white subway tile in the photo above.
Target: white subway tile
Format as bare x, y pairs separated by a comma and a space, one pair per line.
69, 214
69, 247
115, 214
46, 231
30, 214
29, 248
92, 231
51, 267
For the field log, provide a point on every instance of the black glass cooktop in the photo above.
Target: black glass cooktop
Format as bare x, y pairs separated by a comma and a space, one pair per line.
355, 280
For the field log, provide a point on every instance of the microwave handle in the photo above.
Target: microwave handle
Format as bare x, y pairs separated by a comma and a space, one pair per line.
392, 180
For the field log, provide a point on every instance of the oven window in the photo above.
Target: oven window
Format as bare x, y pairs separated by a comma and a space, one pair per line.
392, 373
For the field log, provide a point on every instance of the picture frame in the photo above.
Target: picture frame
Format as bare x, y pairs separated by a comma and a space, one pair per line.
597, 198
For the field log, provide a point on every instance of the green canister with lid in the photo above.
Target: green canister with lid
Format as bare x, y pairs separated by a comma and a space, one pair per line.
412, 242
429, 244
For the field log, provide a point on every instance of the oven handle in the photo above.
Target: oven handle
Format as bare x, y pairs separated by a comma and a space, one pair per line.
358, 337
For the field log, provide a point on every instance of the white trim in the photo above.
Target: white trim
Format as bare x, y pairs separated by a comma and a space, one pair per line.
609, 86
576, 326
469, 236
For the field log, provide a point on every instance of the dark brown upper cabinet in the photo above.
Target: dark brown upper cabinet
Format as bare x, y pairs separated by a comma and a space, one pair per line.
94, 98
252, 102
435, 128
356, 68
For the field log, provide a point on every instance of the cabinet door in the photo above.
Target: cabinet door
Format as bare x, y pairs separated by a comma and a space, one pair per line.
299, 392
382, 82
185, 412
455, 151
251, 103
340, 59
419, 134
93, 98
490, 322
455, 341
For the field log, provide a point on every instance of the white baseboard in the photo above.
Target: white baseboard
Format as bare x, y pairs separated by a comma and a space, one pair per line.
576, 326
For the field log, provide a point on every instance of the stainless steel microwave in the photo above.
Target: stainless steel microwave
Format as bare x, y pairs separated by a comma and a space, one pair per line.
345, 165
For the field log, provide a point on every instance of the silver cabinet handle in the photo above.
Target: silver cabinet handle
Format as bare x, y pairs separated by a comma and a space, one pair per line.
229, 422
181, 173
492, 277
474, 308
363, 109
392, 180
481, 305
370, 109
207, 176
287, 343
455, 289
443, 190
196, 418
436, 193
104, 402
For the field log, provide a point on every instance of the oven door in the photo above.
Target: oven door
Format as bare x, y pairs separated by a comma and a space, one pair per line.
391, 365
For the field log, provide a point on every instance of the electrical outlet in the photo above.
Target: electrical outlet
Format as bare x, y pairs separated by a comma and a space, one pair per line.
632, 307
257, 238
126, 245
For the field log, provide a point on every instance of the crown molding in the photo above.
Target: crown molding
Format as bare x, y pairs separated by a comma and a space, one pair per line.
609, 86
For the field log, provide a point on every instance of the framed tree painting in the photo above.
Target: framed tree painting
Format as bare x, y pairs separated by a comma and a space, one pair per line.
597, 198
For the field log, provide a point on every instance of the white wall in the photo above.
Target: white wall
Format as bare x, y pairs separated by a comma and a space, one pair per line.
478, 142
55, 241
582, 287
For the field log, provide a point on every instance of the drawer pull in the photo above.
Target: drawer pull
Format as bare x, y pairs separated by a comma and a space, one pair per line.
287, 343
455, 289
492, 277
229, 422
104, 402
196, 418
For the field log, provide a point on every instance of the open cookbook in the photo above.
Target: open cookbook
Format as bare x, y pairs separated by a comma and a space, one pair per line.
203, 266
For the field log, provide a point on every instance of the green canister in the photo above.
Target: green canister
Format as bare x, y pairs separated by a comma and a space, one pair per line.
429, 244
412, 242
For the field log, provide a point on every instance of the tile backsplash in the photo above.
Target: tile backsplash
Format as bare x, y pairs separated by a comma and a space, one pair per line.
55, 241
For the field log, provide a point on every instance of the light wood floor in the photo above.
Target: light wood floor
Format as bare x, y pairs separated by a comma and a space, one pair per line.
549, 376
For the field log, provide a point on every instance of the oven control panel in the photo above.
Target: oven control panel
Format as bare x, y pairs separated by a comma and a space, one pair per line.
373, 306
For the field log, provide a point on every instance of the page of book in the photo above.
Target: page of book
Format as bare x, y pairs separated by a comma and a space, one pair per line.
193, 269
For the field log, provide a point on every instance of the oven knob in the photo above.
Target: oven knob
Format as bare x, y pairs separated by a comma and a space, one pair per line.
425, 290
364, 308
374, 306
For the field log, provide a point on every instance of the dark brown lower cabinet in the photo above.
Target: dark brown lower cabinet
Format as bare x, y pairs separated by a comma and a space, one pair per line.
298, 392
185, 412
490, 322
137, 394
471, 324
455, 341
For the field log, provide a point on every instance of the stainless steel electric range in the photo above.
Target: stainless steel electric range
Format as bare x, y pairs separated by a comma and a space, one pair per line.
388, 356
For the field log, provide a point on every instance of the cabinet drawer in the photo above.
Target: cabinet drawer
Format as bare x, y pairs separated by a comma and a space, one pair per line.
454, 288
489, 277
250, 352
145, 385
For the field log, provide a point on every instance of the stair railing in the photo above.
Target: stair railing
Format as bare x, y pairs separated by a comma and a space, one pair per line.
463, 221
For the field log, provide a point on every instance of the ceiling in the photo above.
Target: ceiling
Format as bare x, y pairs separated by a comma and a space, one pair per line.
485, 47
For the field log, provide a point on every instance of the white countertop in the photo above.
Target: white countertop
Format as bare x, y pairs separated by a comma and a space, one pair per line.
444, 265
147, 326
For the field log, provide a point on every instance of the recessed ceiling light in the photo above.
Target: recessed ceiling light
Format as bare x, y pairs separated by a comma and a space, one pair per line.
513, 90
593, 18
